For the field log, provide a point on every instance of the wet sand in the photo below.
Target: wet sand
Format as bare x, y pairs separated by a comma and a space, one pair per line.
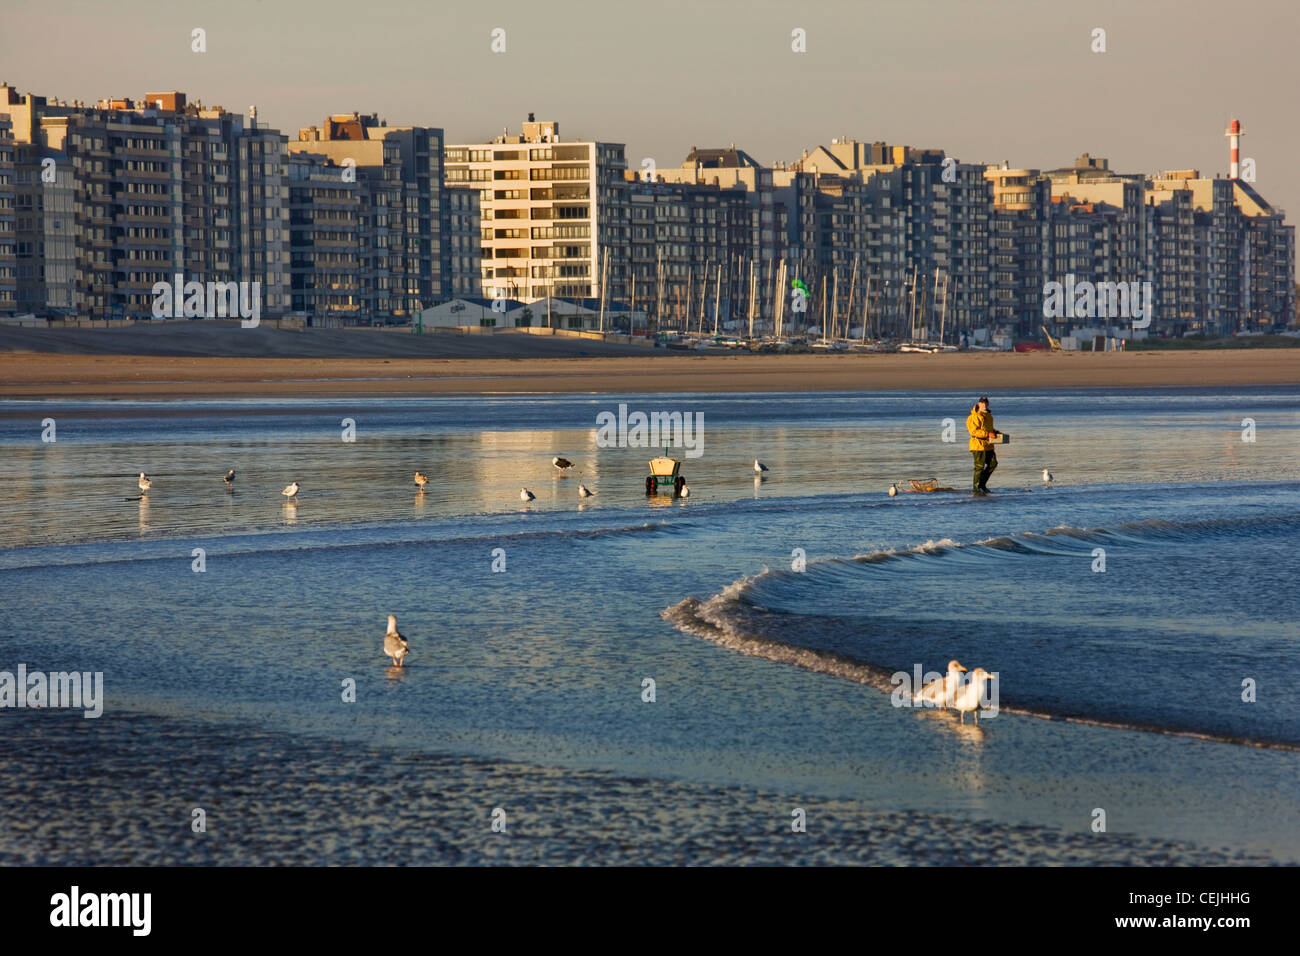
49, 375
123, 789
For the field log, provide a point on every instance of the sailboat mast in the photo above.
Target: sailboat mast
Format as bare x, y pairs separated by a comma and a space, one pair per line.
717, 300
944, 313
866, 305
751, 298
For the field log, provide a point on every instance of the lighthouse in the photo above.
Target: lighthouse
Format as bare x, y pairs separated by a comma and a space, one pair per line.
1233, 132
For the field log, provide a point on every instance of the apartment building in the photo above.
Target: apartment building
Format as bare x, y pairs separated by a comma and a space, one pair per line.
549, 208
159, 187
860, 242
407, 264
463, 242
942, 207
45, 212
360, 144
1264, 290
324, 237
686, 251
1221, 258
772, 223
8, 234
1018, 246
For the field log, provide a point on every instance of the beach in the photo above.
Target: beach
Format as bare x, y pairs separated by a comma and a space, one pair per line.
56, 375
274, 799
768, 615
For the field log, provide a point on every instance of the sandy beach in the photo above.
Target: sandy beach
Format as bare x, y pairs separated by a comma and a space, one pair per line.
274, 799
54, 375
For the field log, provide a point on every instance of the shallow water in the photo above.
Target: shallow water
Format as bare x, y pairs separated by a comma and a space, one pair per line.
1119, 689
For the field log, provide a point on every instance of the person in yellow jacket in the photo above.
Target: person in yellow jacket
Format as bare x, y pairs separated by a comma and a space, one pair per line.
980, 425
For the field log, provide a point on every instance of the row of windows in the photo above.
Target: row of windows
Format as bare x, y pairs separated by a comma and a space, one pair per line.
556, 173
141, 142
561, 232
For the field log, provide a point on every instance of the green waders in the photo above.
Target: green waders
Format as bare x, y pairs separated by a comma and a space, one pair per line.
985, 462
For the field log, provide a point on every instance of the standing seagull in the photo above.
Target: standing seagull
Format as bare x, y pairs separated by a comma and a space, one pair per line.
421, 480
969, 696
290, 490
759, 467
230, 476
526, 495
1047, 477
395, 645
893, 491
584, 491
686, 491
144, 483
562, 463
943, 690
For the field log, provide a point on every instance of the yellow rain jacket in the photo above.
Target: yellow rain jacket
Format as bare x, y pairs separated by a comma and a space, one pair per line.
979, 424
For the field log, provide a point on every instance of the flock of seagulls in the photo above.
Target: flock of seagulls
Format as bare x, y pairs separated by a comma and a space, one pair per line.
562, 464
144, 483
290, 491
951, 690
421, 480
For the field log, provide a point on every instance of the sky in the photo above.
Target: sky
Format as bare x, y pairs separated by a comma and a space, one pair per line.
985, 80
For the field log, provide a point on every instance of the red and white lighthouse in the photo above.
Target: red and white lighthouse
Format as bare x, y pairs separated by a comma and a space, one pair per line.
1233, 132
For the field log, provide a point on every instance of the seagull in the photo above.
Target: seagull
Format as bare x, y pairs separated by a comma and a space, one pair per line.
968, 698
759, 467
562, 463
290, 490
421, 480
144, 483
893, 491
1047, 477
941, 691
230, 476
395, 645
584, 491
526, 495
686, 491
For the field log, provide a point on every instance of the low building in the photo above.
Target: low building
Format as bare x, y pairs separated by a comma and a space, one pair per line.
473, 311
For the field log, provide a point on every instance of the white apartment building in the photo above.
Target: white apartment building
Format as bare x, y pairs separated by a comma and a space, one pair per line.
549, 207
